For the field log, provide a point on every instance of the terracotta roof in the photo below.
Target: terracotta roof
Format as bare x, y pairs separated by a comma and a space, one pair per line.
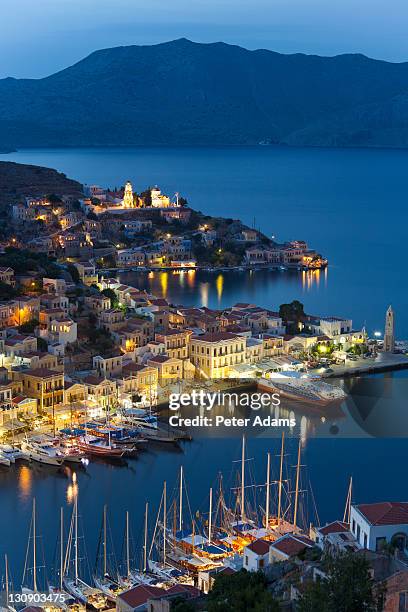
216, 337
335, 527
140, 594
385, 513
292, 545
259, 547
92, 380
42, 372
159, 358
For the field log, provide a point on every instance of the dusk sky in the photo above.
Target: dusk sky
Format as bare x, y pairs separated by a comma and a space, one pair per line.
38, 37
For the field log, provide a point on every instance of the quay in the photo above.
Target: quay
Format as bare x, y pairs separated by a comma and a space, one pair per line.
384, 362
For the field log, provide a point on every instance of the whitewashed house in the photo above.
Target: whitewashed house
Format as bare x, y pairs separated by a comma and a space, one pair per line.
378, 524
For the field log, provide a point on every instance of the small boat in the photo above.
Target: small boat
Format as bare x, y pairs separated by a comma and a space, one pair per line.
100, 448
42, 452
70, 451
109, 587
4, 460
11, 452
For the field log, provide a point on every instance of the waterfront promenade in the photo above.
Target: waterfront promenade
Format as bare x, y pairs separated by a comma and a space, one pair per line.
384, 362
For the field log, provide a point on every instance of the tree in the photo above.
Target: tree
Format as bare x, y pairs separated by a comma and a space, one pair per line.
292, 314
347, 588
147, 197
112, 296
53, 199
42, 345
179, 604
73, 271
28, 327
6, 291
241, 592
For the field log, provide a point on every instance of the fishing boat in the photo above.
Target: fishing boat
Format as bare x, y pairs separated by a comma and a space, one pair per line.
99, 447
42, 452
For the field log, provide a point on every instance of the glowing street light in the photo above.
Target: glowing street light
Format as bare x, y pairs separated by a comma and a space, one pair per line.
377, 334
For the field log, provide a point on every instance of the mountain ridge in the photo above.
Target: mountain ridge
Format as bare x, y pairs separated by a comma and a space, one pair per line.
182, 92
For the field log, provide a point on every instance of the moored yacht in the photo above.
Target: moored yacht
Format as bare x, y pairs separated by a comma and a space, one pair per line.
42, 452
11, 452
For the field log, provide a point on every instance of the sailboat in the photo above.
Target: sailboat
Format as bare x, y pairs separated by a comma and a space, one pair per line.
106, 583
65, 599
32, 586
77, 587
134, 576
7, 587
162, 568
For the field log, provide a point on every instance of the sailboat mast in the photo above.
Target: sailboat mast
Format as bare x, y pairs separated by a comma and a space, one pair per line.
347, 509
243, 481
127, 546
76, 538
164, 520
7, 580
145, 540
105, 561
280, 478
61, 547
297, 488
181, 499
34, 549
210, 517
268, 484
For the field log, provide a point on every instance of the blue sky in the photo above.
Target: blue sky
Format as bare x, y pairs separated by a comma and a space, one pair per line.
38, 37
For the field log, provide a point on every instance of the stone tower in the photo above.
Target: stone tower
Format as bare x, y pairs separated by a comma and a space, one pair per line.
128, 196
389, 337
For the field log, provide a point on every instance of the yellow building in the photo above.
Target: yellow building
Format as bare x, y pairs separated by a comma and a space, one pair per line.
176, 342
47, 386
128, 200
138, 378
168, 368
214, 354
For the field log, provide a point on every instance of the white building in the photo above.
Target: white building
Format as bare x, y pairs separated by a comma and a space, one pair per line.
256, 555
158, 199
330, 326
130, 257
375, 525
63, 331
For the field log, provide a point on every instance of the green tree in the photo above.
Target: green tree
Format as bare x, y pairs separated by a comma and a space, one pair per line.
28, 327
292, 314
179, 604
347, 588
241, 592
42, 345
112, 296
73, 271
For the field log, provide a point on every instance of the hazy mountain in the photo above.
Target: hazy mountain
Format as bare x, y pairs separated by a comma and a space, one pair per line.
182, 92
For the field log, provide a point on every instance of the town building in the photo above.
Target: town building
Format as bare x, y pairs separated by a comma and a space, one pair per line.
380, 524
213, 354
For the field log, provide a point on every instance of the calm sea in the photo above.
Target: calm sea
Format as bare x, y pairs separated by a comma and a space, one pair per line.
349, 204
